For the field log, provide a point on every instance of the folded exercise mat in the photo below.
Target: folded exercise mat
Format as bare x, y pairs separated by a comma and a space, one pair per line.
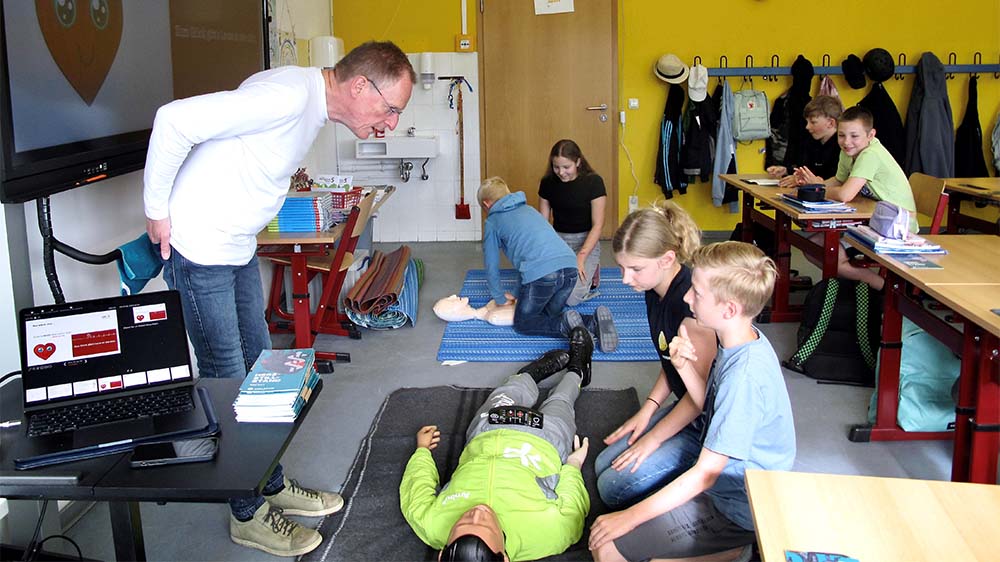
401, 311
371, 526
380, 285
476, 340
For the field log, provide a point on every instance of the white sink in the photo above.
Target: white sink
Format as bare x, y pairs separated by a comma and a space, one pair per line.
397, 147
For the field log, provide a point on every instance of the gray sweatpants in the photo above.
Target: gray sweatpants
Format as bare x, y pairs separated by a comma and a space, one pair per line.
559, 422
575, 242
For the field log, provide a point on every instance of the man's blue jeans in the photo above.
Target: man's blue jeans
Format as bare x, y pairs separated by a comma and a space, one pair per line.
540, 304
619, 490
224, 313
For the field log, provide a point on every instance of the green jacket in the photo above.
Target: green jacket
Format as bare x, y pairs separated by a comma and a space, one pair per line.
499, 468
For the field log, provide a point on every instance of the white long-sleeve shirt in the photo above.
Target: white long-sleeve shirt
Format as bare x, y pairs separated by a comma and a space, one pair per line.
219, 165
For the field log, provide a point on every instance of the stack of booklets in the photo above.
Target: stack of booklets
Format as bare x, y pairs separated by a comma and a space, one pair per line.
912, 245
277, 387
307, 211
824, 206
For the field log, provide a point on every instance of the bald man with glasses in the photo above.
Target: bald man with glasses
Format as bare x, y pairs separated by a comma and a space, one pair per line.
217, 171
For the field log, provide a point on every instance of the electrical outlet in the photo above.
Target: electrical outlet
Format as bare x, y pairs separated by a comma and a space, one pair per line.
633, 203
633, 103
621, 117
465, 43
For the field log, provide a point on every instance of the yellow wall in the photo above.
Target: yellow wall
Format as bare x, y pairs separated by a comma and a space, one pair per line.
761, 28
417, 26
735, 28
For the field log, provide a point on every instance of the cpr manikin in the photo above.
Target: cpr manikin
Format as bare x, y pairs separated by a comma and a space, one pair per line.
457, 309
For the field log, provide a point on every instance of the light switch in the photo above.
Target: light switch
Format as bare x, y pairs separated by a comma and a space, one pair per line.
633, 103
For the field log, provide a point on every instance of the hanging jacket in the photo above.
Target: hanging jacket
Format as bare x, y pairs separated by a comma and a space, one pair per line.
888, 123
725, 145
700, 127
969, 161
668, 157
995, 137
786, 144
930, 137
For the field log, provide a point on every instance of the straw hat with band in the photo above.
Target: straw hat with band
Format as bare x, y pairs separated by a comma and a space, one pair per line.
670, 69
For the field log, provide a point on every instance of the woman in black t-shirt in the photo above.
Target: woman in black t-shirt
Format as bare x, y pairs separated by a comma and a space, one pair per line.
652, 246
574, 196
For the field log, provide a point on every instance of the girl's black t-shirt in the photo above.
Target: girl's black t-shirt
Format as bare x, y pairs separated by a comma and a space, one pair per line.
665, 316
570, 201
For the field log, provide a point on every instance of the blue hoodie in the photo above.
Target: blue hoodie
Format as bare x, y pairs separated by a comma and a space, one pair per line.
527, 239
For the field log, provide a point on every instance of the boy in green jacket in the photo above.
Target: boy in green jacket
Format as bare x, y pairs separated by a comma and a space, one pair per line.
511, 496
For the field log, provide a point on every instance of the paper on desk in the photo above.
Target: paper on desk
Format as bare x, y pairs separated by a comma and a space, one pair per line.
801, 556
765, 181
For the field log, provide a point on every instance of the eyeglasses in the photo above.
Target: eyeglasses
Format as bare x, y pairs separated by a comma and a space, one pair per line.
392, 109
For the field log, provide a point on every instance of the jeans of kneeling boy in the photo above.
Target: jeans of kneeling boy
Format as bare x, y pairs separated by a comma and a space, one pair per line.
540, 304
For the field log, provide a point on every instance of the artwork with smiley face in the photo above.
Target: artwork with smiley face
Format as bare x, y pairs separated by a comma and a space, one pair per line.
83, 37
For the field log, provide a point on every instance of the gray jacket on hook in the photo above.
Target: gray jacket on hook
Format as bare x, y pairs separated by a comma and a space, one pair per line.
725, 146
930, 130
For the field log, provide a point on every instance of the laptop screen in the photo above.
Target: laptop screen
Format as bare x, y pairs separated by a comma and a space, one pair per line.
102, 347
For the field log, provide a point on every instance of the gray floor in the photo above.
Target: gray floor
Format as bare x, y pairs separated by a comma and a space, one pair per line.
385, 361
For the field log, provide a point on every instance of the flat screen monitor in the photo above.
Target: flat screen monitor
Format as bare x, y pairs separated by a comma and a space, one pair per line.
81, 80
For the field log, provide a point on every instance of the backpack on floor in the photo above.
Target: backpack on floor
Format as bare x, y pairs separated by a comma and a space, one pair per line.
928, 371
839, 336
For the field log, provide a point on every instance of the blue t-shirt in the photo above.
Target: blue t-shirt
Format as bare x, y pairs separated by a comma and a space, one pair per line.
748, 418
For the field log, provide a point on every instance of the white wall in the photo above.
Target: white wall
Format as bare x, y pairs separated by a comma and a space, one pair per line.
420, 210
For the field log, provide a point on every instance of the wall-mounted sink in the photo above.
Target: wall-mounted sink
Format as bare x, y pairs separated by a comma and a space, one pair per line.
397, 147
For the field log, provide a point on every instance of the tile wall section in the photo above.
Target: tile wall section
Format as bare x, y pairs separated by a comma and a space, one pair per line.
419, 211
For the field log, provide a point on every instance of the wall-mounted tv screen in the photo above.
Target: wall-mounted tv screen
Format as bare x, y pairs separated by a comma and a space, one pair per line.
81, 80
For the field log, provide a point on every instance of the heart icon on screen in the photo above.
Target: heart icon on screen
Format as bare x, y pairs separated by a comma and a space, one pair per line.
140, 317
45, 350
83, 37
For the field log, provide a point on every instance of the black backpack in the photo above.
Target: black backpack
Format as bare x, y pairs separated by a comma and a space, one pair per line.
839, 336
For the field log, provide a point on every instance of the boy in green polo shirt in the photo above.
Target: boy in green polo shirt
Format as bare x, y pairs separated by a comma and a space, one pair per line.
865, 167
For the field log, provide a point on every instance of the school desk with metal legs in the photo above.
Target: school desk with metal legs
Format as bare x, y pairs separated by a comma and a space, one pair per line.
971, 190
968, 284
831, 225
247, 454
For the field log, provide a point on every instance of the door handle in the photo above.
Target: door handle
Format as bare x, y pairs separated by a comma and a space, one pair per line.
602, 107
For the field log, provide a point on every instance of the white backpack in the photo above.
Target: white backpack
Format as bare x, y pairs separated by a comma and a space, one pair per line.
751, 119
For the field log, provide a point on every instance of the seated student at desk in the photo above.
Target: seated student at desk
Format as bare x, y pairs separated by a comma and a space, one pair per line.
865, 168
820, 152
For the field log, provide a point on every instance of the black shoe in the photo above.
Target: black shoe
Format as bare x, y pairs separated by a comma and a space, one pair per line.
581, 348
548, 364
602, 327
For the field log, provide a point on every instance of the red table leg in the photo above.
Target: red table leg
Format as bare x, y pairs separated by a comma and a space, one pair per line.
300, 300
985, 424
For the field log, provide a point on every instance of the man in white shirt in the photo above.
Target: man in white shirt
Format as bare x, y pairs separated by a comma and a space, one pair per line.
217, 172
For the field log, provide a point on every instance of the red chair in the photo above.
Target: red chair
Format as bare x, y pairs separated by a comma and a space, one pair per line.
333, 268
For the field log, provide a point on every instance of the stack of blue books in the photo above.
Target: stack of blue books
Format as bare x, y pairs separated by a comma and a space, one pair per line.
913, 244
824, 206
307, 211
277, 387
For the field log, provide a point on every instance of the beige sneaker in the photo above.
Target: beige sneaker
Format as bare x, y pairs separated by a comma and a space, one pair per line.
272, 532
296, 500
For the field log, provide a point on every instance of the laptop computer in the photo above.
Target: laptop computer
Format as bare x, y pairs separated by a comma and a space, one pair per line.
105, 373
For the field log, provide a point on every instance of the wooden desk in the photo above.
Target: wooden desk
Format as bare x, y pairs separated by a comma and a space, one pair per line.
829, 224
970, 289
971, 189
248, 453
873, 519
298, 247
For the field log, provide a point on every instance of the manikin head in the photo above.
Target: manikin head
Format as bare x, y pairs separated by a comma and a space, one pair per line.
476, 536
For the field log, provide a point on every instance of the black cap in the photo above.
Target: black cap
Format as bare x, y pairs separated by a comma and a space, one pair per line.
470, 548
879, 65
854, 72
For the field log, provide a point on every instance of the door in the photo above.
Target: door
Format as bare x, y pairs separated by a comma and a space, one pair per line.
544, 78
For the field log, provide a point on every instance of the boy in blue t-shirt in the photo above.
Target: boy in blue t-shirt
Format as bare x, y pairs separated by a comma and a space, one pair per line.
746, 422
546, 265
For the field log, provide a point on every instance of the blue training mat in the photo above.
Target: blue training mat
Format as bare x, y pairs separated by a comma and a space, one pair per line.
476, 340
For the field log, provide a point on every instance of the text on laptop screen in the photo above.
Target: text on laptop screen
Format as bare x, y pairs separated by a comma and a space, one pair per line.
103, 346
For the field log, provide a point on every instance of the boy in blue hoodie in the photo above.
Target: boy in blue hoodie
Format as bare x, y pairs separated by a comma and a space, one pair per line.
547, 266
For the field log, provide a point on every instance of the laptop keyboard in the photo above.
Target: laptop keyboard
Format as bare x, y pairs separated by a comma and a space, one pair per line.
136, 406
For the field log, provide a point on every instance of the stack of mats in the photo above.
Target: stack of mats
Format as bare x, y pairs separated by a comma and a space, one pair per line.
476, 340
399, 312
380, 285
307, 211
